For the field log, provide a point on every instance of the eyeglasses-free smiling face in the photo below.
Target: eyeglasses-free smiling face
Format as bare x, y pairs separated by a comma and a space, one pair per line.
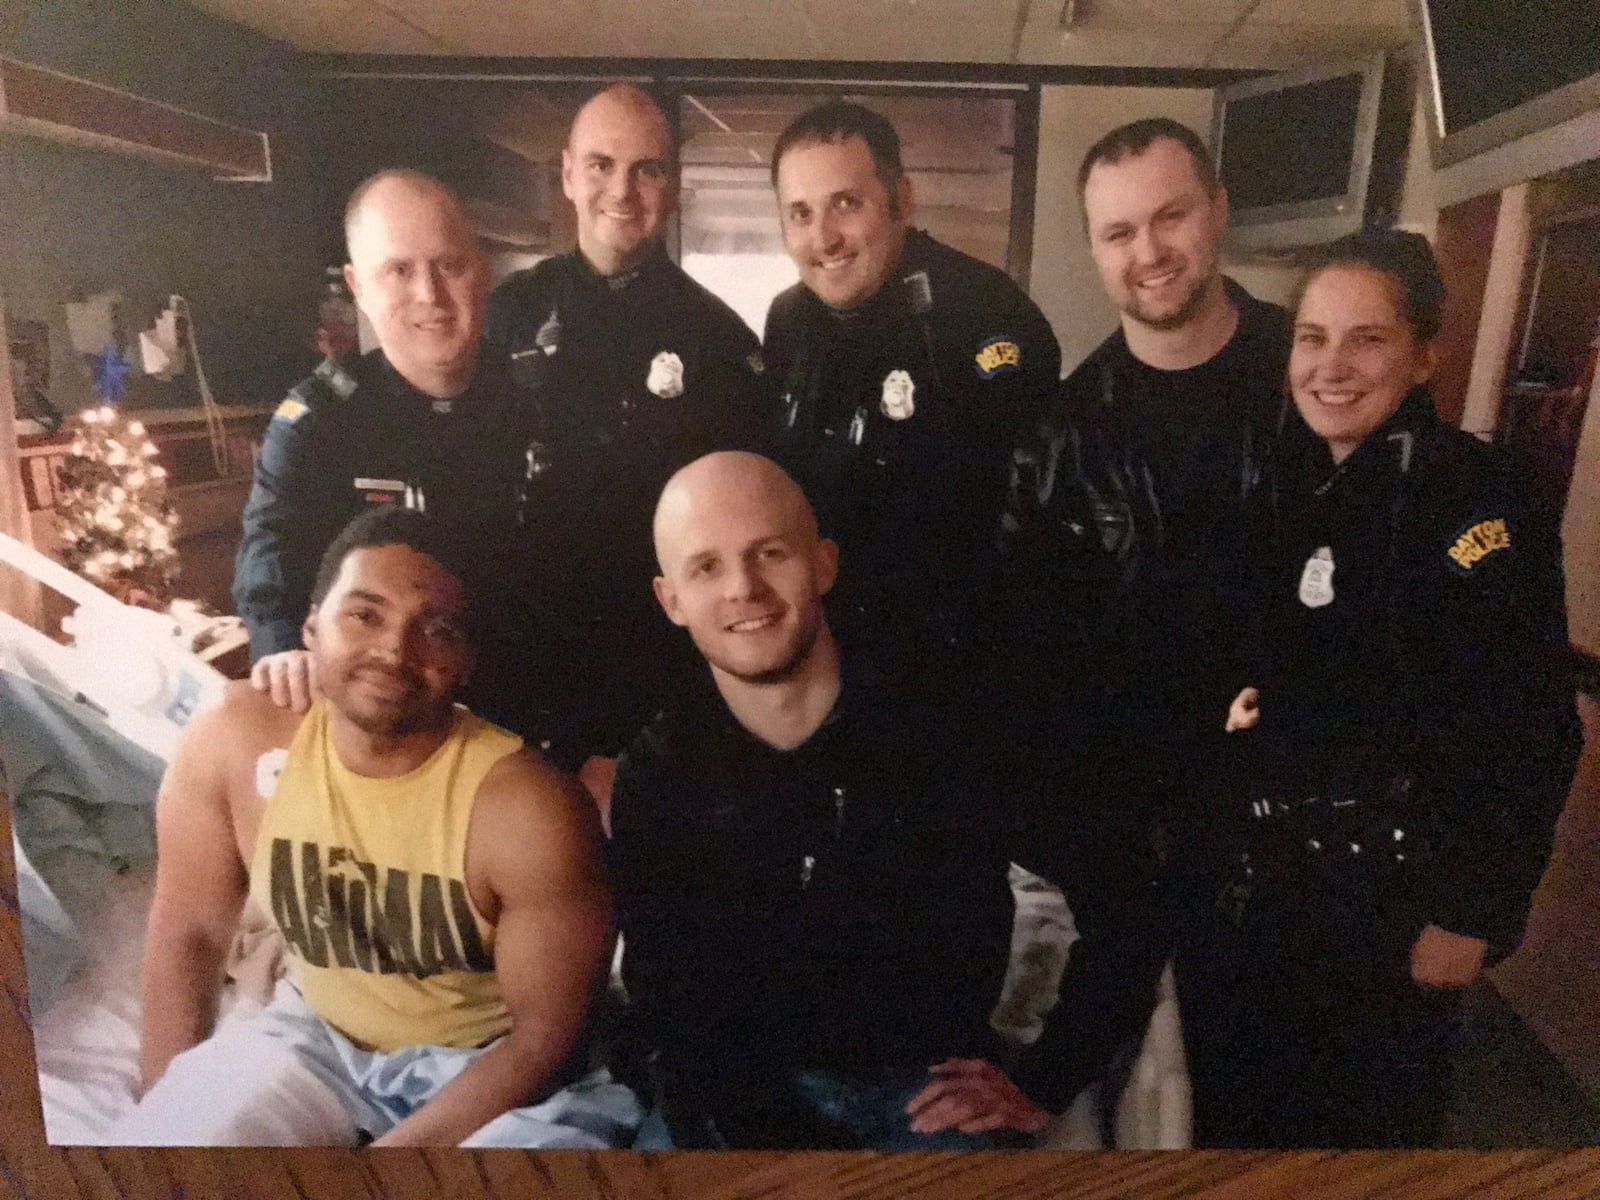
1153, 233
617, 170
416, 272
742, 567
389, 641
1355, 355
841, 226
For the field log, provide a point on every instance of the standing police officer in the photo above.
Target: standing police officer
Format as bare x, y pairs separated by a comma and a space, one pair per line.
418, 421
908, 371
1136, 527
631, 370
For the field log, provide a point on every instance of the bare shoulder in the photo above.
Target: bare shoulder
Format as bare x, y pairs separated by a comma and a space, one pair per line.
217, 756
527, 813
240, 725
523, 789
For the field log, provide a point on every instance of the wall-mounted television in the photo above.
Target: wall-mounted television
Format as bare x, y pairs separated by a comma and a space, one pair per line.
1497, 70
1312, 154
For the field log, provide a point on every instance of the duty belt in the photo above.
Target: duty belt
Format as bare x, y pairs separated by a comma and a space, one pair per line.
1360, 836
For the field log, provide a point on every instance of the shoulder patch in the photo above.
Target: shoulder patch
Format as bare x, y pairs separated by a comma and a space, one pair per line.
291, 410
1477, 541
998, 356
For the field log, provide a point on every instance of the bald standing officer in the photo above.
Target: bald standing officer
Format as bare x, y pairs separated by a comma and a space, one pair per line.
422, 421
631, 369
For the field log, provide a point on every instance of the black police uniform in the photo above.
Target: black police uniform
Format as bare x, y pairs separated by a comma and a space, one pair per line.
356, 435
1416, 741
1140, 505
626, 378
899, 420
840, 906
1126, 584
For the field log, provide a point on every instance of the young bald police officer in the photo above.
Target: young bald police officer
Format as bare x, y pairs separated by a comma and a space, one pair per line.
630, 369
439, 888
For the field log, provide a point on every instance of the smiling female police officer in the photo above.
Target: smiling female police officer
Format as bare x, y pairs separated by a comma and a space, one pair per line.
1409, 747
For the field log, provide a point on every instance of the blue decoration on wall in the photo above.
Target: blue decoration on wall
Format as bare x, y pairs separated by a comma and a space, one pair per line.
110, 373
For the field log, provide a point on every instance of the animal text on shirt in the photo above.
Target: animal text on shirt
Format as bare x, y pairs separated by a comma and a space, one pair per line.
335, 912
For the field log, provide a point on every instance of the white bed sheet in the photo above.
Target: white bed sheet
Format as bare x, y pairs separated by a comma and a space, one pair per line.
87, 1042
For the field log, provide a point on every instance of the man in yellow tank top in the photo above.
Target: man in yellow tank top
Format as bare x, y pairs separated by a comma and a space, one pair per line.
439, 888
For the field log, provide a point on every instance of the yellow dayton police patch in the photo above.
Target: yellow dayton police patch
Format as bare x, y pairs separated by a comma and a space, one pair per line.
996, 355
1479, 541
290, 410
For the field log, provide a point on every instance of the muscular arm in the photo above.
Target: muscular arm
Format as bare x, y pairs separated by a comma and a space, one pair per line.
535, 842
200, 888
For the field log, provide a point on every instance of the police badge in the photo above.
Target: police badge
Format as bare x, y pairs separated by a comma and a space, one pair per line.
897, 403
1316, 581
666, 376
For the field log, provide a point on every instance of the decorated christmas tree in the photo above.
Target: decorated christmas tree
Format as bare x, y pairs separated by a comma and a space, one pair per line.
116, 525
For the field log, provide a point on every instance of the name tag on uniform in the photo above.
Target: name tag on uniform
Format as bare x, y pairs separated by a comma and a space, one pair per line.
380, 491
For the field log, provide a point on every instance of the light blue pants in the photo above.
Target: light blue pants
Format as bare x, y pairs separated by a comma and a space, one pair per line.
283, 1077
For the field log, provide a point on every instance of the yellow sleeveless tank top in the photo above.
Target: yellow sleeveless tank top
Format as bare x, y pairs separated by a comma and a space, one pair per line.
366, 880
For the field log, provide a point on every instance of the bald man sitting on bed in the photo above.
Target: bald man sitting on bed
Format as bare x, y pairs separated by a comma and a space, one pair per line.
440, 890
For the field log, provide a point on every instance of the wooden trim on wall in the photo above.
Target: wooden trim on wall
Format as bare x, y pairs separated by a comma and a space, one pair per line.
1465, 233
63, 108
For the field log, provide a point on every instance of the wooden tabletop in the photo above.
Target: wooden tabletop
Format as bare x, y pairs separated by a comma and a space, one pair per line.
29, 1168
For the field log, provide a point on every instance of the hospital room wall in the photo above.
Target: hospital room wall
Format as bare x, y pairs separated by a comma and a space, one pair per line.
78, 221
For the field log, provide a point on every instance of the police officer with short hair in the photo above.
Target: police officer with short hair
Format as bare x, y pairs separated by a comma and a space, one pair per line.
629, 370
908, 371
420, 421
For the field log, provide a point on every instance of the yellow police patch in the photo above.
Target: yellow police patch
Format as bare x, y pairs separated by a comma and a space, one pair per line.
291, 409
1478, 542
996, 355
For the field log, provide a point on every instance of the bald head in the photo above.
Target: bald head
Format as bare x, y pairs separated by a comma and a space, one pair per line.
379, 191
725, 482
742, 567
416, 272
621, 102
619, 170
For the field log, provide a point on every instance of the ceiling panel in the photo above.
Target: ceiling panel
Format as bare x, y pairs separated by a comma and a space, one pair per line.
1165, 33
348, 26
1394, 14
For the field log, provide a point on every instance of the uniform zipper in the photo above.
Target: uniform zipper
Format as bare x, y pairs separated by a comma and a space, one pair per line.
808, 862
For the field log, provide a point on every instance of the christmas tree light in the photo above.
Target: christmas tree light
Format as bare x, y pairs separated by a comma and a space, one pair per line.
117, 526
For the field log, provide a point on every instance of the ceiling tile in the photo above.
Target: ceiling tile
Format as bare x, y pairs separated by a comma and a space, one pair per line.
355, 26
1164, 33
1392, 14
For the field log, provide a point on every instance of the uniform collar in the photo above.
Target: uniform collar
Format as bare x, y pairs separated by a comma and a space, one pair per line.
1386, 451
398, 387
622, 281
895, 294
